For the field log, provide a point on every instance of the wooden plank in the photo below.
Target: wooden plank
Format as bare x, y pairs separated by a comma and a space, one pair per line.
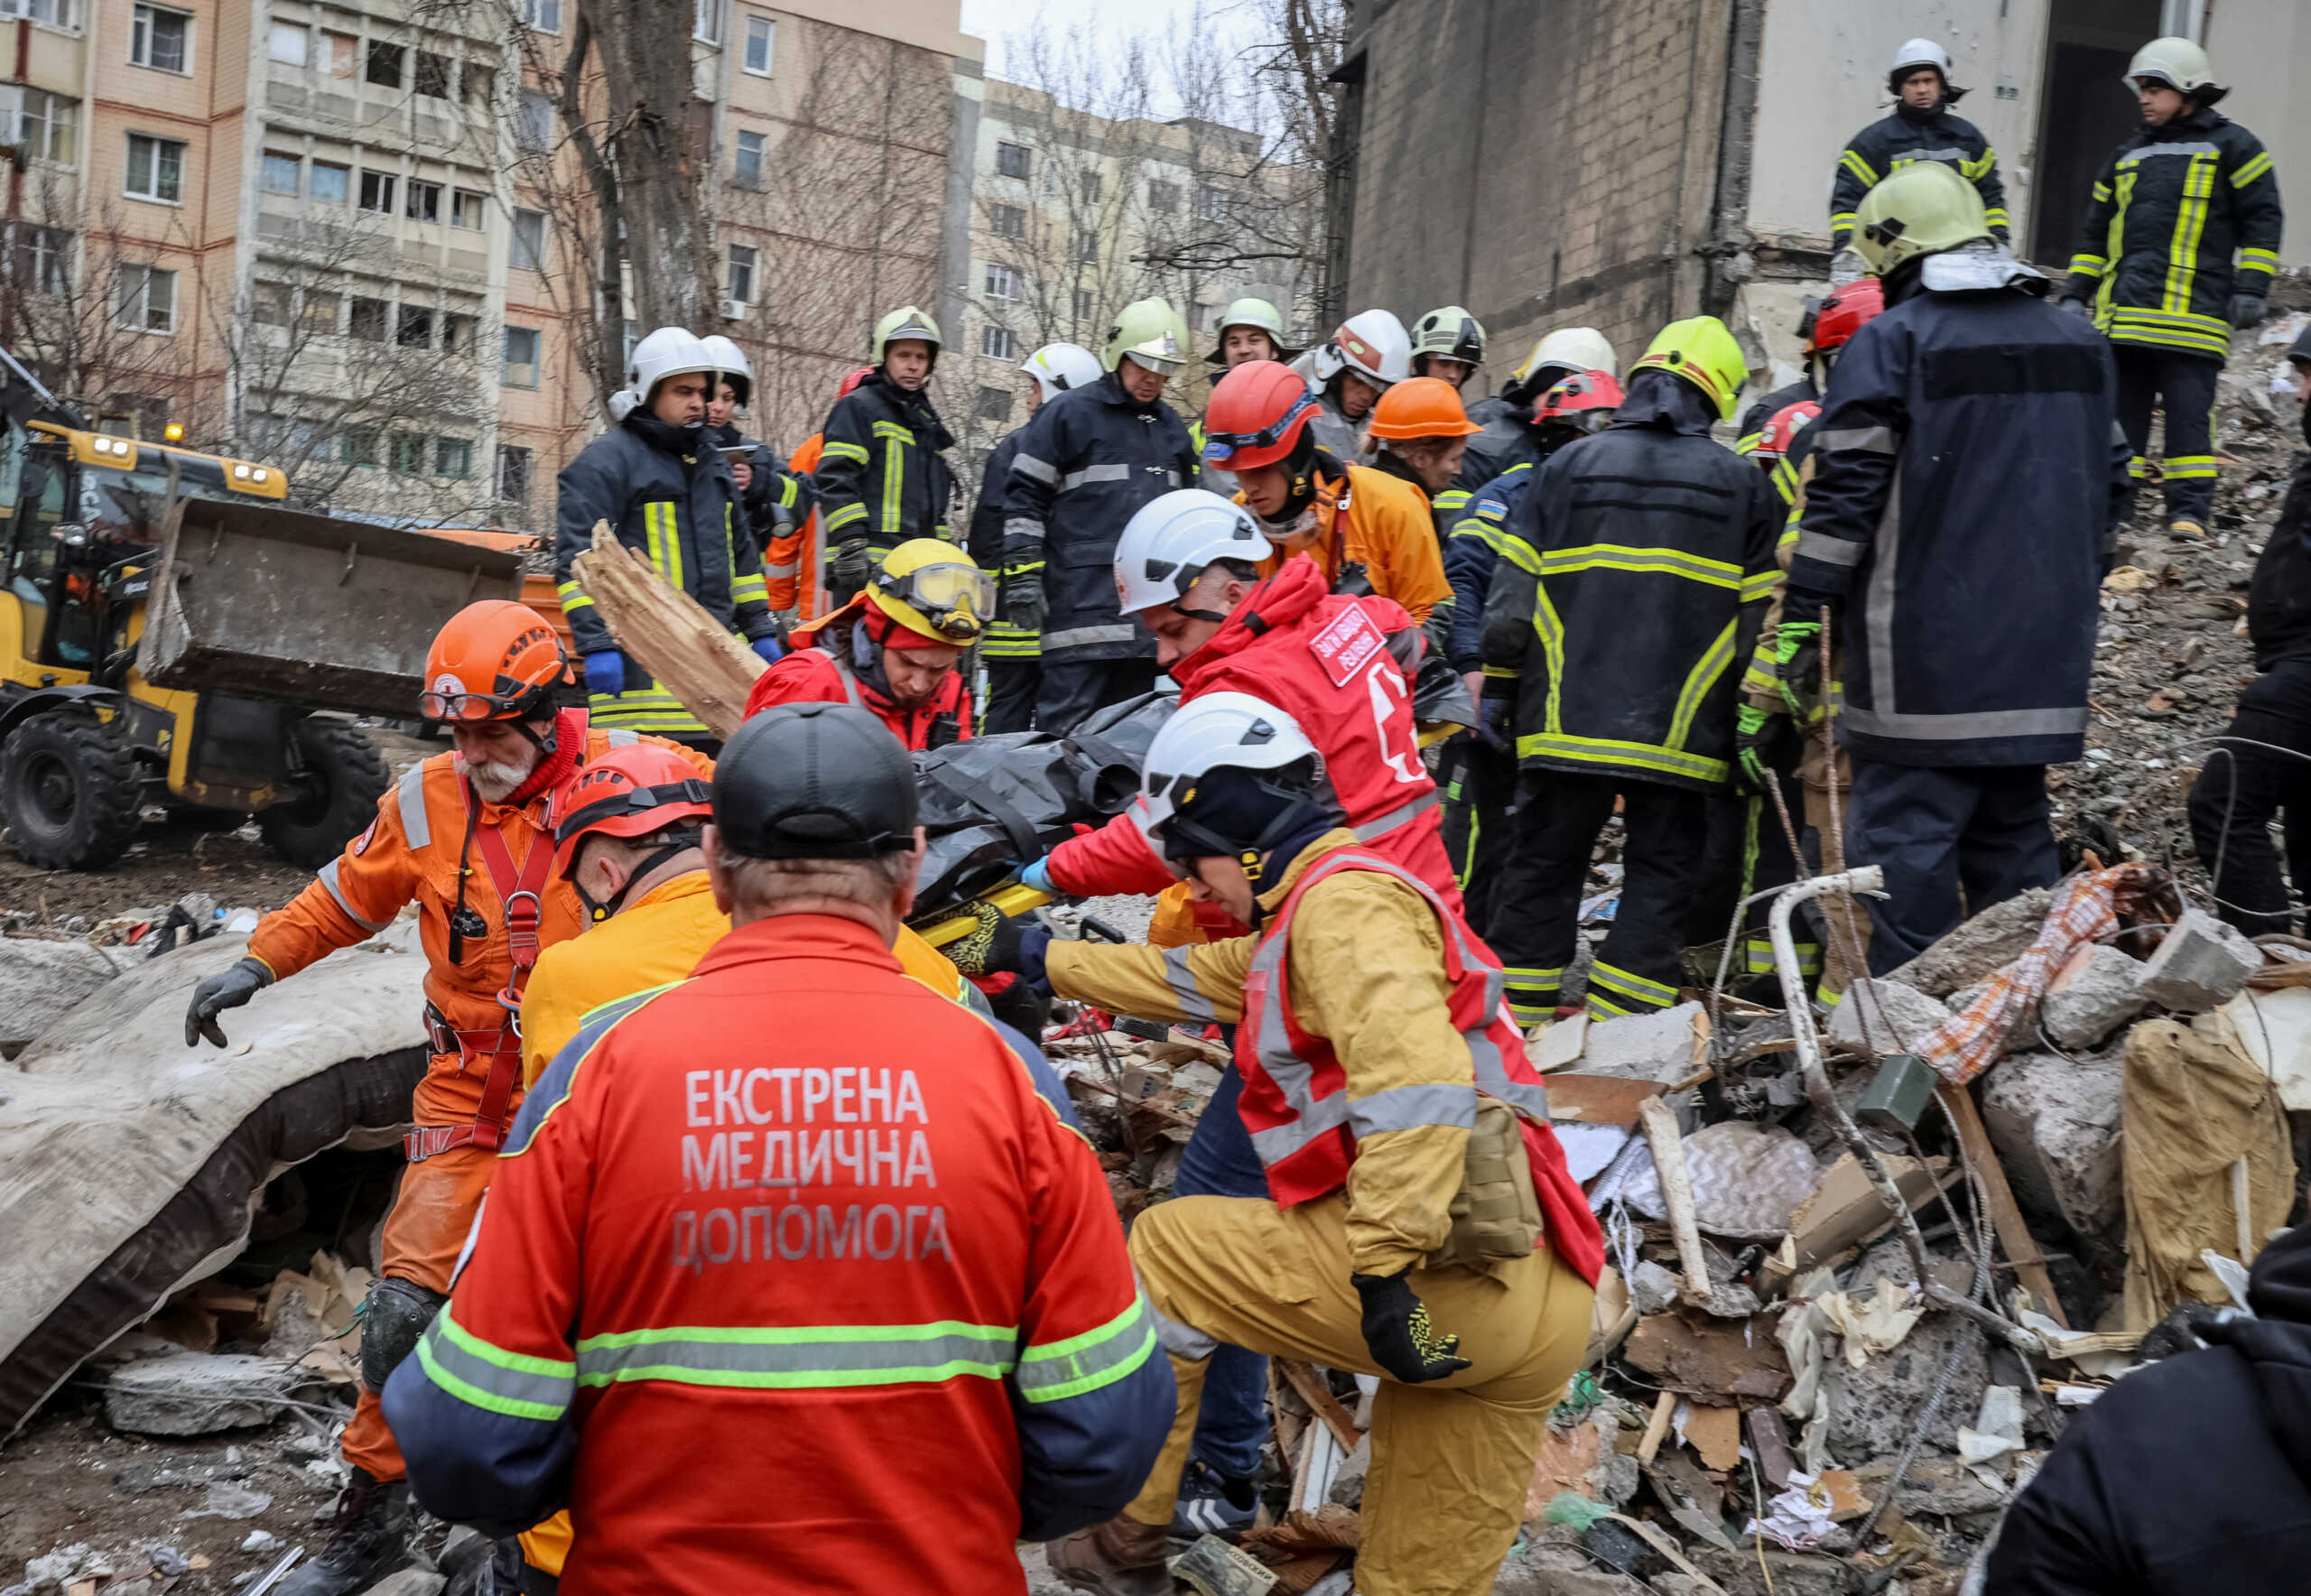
668, 634
1600, 1099
2022, 1248
1660, 1123
1320, 1399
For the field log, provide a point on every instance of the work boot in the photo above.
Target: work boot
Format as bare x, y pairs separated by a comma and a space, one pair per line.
1118, 1558
2186, 526
368, 1540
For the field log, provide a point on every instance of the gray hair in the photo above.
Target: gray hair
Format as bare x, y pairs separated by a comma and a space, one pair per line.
762, 886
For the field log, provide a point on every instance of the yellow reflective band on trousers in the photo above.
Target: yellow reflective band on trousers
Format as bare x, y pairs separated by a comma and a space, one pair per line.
1756, 956
491, 1378
1630, 988
662, 532
1003, 640
2174, 330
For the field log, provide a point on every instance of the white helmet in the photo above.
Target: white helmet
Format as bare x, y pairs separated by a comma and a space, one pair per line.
1218, 731
2179, 64
668, 352
1568, 351
622, 403
1373, 344
731, 361
1916, 53
1171, 539
1059, 367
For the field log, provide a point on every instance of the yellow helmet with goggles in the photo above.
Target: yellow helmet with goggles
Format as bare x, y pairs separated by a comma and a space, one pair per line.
933, 590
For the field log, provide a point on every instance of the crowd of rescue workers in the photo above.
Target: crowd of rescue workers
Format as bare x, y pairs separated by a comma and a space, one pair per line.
796, 1272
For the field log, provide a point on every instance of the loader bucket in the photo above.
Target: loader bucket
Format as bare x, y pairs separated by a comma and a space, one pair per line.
263, 602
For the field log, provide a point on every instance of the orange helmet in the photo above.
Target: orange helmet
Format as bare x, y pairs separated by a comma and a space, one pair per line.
1256, 414
629, 791
1586, 400
1422, 407
496, 659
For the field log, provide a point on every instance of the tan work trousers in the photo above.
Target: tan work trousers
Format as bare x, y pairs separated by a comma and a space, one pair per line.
1451, 1458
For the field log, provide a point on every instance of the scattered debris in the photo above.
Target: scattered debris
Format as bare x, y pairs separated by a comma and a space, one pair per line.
196, 1393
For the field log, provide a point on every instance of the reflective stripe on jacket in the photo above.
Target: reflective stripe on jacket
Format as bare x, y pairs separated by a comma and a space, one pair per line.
1002, 640
1370, 518
882, 473
1908, 136
2181, 217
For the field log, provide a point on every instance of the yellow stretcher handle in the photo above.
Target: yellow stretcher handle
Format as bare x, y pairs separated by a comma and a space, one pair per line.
1433, 732
1011, 902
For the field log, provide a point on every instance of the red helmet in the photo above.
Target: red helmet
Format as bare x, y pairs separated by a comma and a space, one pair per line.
1587, 400
496, 660
852, 381
1257, 412
1785, 424
1845, 313
629, 791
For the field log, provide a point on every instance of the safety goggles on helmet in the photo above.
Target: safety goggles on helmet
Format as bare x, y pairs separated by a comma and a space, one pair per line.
1219, 448
451, 701
955, 597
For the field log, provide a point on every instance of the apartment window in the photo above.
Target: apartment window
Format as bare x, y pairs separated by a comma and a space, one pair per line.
480, 81
145, 299
706, 21
385, 64
329, 183
454, 458
1002, 282
748, 173
269, 304
279, 173
58, 13
1007, 221
43, 260
339, 53
513, 474
156, 168
741, 285
1094, 185
1087, 245
533, 121
377, 191
544, 15
1211, 204
528, 252
415, 328
457, 334
405, 454
520, 369
368, 322
424, 201
160, 38
469, 211
1083, 306
361, 446
997, 343
432, 75
762, 40
1163, 197
1011, 159
288, 44
321, 309
47, 125
993, 405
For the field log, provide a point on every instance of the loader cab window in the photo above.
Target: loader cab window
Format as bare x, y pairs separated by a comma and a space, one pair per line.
126, 509
45, 482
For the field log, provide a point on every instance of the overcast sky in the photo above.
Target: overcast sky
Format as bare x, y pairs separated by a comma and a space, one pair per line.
996, 21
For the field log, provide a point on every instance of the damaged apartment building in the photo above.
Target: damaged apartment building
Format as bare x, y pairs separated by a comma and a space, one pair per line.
1554, 163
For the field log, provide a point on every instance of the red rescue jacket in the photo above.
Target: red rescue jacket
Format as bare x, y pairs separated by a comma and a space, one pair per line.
820, 670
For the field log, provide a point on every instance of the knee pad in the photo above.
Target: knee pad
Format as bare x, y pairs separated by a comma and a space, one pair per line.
393, 1316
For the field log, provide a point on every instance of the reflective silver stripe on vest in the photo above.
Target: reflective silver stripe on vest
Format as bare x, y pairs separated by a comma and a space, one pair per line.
1027, 464
618, 738
1398, 816
1082, 636
779, 572
1192, 1002
1075, 480
1874, 440
411, 798
2148, 151
1965, 725
1404, 1107
1020, 526
327, 877
1821, 547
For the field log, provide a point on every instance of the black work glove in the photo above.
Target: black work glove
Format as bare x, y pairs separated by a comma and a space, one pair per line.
236, 986
1023, 597
1398, 1331
851, 567
2084, 309
2246, 310
1493, 727
999, 944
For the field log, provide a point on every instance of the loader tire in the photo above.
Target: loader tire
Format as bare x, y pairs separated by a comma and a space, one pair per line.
345, 776
70, 790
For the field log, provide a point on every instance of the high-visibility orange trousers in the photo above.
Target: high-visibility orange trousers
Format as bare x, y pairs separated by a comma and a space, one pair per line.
1451, 1458
424, 1233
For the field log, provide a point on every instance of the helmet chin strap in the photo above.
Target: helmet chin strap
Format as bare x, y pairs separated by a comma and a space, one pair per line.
600, 909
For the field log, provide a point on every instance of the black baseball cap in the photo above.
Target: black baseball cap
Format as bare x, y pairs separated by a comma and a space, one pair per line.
814, 782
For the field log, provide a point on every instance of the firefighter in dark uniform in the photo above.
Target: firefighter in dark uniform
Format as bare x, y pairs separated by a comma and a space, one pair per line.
1921, 128
883, 477
2179, 244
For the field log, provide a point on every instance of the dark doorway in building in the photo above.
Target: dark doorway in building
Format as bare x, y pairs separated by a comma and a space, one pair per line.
2085, 110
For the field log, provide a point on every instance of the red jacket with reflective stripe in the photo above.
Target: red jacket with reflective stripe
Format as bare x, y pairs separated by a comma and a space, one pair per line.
1340, 667
1295, 1090
812, 674
791, 1277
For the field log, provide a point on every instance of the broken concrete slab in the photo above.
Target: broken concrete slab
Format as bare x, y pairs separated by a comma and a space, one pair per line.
2098, 990
1885, 1016
1701, 1356
40, 980
196, 1393
1979, 948
2202, 964
1546, 1569
1874, 1409
2056, 1122
1666, 1046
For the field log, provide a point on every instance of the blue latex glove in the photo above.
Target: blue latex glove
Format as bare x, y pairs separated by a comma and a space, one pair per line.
769, 648
1038, 876
606, 672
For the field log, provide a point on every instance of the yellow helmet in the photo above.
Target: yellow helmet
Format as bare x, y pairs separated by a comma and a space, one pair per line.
1699, 351
933, 590
1922, 209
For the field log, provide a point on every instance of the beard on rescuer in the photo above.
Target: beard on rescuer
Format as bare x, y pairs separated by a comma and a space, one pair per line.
497, 780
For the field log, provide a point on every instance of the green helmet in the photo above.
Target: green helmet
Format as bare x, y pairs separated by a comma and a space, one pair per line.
906, 321
1699, 351
1250, 312
1448, 334
1922, 209
1151, 334
2179, 64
